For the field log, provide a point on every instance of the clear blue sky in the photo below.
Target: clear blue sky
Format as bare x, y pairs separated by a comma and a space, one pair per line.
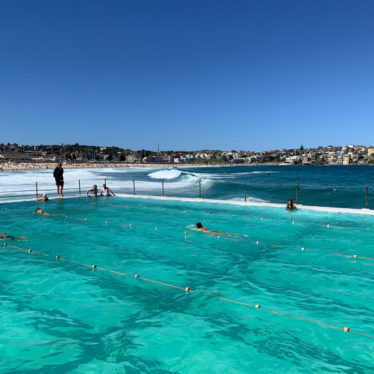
190, 74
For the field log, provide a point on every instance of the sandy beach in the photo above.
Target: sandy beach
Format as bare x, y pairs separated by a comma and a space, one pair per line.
84, 165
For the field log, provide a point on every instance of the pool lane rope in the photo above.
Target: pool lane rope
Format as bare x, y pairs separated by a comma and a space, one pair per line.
257, 243
188, 290
293, 221
233, 237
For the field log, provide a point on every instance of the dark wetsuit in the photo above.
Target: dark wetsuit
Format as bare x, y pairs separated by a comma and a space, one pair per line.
58, 174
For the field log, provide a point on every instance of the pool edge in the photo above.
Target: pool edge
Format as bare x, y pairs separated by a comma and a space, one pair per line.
257, 204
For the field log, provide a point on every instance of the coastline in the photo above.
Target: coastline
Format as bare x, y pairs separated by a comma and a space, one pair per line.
50, 166
96, 165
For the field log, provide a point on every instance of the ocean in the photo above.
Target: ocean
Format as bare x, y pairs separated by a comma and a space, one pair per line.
335, 186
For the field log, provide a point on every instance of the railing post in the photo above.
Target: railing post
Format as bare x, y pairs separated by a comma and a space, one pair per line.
133, 186
163, 188
36, 189
200, 188
367, 197
105, 180
79, 187
245, 192
297, 193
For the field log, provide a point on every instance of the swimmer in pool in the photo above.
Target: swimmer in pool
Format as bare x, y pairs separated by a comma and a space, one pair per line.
93, 191
290, 205
4, 236
42, 212
199, 227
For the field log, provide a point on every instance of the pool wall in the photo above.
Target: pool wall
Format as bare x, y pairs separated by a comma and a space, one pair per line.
361, 211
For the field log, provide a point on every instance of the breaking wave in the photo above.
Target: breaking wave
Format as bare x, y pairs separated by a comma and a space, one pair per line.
165, 174
148, 180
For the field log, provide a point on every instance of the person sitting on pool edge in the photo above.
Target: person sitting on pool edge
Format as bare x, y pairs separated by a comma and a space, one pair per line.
93, 191
42, 197
42, 212
290, 205
106, 191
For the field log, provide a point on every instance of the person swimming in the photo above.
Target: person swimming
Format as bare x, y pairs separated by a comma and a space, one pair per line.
42, 212
93, 191
4, 235
199, 227
106, 191
290, 205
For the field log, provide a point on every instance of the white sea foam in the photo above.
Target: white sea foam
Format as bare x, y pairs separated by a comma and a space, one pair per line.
185, 182
215, 175
174, 178
165, 174
250, 199
124, 170
227, 175
21, 182
258, 172
25, 180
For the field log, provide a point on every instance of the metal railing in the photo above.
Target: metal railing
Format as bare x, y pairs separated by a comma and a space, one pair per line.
299, 190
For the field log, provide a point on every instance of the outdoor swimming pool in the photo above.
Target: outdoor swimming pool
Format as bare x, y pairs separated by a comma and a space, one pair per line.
61, 316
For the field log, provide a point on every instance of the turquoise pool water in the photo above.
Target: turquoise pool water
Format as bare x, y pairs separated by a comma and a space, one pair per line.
61, 317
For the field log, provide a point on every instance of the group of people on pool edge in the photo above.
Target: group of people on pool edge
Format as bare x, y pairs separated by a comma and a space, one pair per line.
105, 191
59, 178
58, 174
93, 192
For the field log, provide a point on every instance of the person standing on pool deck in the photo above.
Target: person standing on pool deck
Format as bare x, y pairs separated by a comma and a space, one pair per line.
59, 178
106, 191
